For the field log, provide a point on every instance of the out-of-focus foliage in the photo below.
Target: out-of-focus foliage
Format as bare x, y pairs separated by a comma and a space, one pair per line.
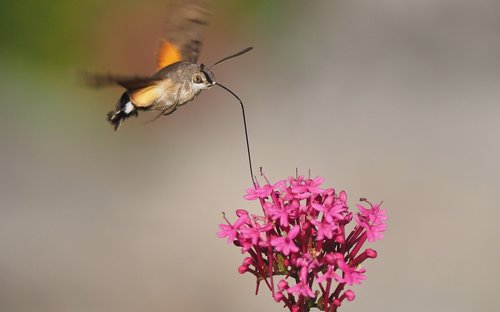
58, 31
47, 31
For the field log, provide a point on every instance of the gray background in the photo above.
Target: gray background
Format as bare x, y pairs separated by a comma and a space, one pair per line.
389, 100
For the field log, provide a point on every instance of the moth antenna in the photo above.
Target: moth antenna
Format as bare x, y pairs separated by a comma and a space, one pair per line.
244, 122
232, 56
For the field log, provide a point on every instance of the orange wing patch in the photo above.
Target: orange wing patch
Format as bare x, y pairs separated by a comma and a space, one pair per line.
168, 53
144, 97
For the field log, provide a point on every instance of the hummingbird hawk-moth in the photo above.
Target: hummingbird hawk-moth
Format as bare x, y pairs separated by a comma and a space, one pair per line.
178, 79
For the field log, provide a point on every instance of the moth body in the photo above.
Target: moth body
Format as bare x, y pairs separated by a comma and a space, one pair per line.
170, 87
178, 78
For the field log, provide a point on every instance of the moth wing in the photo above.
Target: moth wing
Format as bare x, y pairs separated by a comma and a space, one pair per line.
144, 97
104, 80
134, 83
147, 96
184, 30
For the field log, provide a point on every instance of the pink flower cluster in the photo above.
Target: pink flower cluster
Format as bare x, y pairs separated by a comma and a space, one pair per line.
302, 238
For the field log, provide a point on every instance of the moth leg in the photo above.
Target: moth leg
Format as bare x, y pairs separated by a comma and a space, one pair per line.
166, 111
169, 110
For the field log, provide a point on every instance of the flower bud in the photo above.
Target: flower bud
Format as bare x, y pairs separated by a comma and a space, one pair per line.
278, 297
247, 261
282, 285
241, 212
349, 295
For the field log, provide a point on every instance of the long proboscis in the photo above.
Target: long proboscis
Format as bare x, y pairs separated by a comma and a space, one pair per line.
245, 126
232, 56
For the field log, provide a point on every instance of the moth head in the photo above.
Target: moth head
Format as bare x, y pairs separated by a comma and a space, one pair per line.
203, 79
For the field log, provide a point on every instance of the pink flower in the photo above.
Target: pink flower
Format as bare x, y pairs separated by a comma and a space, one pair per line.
230, 231
373, 220
312, 185
354, 276
258, 192
301, 237
334, 209
350, 274
325, 229
285, 244
252, 235
281, 212
301, 288
329, 274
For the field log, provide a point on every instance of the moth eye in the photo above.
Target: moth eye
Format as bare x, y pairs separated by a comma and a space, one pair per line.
197, 79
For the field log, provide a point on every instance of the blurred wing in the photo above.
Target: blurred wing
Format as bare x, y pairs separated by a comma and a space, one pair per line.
128, 82
135, 82
186, 20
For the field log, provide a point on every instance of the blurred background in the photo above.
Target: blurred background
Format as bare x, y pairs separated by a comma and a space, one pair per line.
392, 100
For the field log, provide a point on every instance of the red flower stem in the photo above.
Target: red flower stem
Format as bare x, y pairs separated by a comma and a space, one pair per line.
321, 286
342, 298
302, 240
319, 245
357, 235
262, 202
287, 302
337, 291
351, 239
353, 232
254, 255
276, 201
301, 303
267, 283
277, 229
326, 294
368, 253
311, 280
270, 258
261, 266
253, 272
342, 239
358, 246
